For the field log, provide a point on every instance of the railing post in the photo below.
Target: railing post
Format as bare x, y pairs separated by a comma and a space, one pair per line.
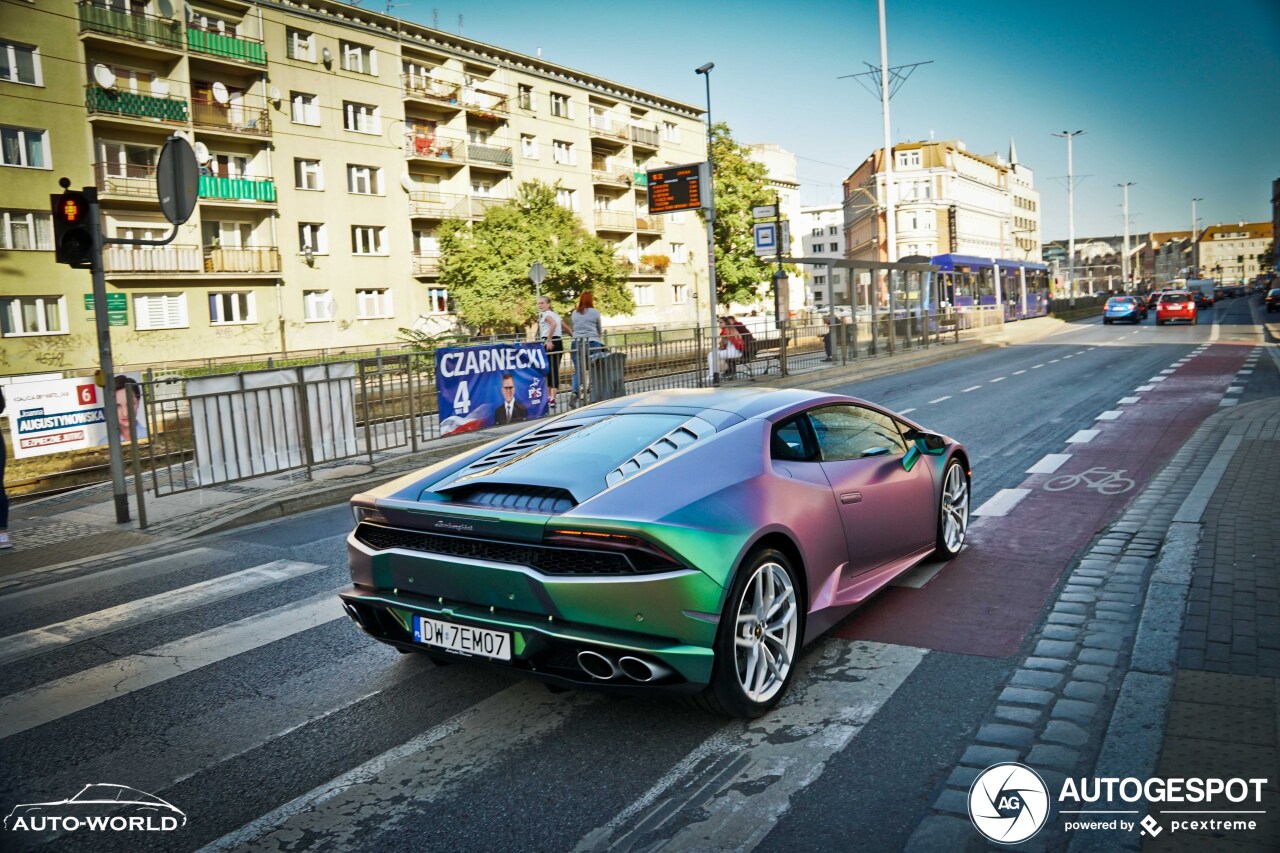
364, 407
304, 407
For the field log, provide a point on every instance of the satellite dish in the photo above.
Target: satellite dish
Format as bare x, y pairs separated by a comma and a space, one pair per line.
275, 93
202, 153
406, 181
220, 92
104, 76
159, 87
166, 8
326, 55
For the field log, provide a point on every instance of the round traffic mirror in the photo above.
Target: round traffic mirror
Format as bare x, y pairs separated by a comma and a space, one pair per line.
177, 180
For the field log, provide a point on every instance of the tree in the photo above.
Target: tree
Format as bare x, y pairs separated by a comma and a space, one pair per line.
740, 184
485, 265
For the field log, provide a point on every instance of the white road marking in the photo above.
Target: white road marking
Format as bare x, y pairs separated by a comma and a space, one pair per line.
939, 400
1109, 415
1050, 463
905, 411
1054, 360
1084, 436
1236, 389
1228, 401
1019, 372
1246, 372
1081, 352
998, 379
1157, 378
729, 792
971, 388
1001, 502
1167, 371
1036, 366
1145, 388
41, 640
1065, 357
1127, 400
76, 692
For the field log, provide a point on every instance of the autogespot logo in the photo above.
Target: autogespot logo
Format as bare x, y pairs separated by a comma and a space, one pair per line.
1008, 803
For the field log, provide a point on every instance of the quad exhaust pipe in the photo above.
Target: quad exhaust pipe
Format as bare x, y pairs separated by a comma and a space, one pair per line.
602, 667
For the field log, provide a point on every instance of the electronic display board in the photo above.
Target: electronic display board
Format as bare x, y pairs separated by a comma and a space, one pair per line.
675, 188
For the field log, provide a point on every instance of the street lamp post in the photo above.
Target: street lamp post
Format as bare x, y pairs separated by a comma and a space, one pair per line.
1071, 214
1124, 259
1195, 243
705, 71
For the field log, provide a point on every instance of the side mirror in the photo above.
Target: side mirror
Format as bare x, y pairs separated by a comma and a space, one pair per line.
927, 442
912, 456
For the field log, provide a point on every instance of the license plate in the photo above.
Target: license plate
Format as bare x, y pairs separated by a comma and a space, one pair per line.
462, 638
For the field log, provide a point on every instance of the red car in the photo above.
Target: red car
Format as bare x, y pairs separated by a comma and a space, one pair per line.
1175, 305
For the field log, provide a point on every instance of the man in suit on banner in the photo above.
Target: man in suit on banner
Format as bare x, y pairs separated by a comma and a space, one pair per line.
511, 411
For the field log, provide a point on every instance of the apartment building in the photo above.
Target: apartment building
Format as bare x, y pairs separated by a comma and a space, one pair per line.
1231, 253
947, 200
333, 141
822, 236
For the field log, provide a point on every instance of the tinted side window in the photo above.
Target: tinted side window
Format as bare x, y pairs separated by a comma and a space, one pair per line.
788, 441
852, 432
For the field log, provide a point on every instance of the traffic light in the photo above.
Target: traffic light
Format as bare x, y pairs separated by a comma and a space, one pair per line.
72, 234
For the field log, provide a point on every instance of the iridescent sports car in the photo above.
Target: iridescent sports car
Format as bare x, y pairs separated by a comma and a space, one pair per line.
689, 541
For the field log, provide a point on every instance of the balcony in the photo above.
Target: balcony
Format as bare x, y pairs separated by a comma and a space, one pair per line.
604, 173
431, 92
109, 102
483, 105
238, 120
260, 190
425, 147
223, 46
643, 137
651, 224
615, 220
115, 179
429, 204
480, 204
488, 156
426, 264
147, 29
246, 260
141, 260
603, 129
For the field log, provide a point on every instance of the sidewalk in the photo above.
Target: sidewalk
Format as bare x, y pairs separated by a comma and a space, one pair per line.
64, 532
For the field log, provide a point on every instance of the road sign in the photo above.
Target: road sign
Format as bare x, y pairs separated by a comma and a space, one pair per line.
117, 308
767, 240
764, 211
177, 180
537, 273
676, 188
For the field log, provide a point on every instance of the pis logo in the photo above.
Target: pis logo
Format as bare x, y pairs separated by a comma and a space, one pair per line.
1008, 803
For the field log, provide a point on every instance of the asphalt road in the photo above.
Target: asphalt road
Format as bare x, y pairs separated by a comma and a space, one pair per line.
223, 677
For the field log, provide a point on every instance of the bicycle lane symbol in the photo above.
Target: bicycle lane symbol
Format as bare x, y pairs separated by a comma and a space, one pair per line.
1101, 480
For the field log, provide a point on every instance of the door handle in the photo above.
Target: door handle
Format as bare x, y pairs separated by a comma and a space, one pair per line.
851, 498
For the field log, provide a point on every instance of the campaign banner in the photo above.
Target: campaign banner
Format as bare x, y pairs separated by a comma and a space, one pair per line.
54, 415
491, 384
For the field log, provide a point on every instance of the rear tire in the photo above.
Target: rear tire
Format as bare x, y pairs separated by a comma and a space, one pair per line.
953, 511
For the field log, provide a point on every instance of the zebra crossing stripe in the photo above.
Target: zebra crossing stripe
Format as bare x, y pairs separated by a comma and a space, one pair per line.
131, 613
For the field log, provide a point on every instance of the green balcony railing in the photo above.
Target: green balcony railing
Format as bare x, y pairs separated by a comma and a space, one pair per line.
238, 189
97, 18
489, 155
238, 48
112, 102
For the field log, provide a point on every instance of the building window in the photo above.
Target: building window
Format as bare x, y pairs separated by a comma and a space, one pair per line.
835, 247
33, 315
680, 294
311, 235
368, 240
529, 146
306, 108
484, 188
819, 279
300, 45
160, 311
644, 294
478, 136
832, 230
437, 300
817, 232
835, 278
908, 159
26, 230
307, 175
227, 309
361, 118
561, 106
364, 180
373, 303
679, 253
567, 199
19, 64
317, 305
359, 58
670, 131
563, 153
25, 147
526, 98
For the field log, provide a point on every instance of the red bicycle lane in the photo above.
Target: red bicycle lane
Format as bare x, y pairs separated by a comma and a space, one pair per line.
984, 601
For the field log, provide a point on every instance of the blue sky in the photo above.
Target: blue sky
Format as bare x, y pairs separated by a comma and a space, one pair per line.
1181, 98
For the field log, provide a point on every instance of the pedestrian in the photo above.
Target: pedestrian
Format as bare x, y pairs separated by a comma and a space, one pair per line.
5, 541
584, 325
727, 352
551, 330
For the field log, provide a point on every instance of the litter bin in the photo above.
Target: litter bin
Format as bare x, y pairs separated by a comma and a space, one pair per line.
607, 371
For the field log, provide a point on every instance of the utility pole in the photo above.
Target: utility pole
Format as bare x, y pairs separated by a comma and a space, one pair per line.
1124, 259
1195, 242
1071, 214
891, 230
705, 71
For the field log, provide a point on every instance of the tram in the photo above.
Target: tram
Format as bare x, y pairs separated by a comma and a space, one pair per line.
1021, 288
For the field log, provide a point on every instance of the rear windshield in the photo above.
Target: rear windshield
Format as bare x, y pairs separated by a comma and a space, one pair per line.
1275, 291
1120, 300
1176, 297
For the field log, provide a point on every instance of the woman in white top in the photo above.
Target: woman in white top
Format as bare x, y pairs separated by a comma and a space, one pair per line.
585, 323
550, 330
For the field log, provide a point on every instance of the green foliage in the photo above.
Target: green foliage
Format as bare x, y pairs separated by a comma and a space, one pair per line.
740, 184
485, 265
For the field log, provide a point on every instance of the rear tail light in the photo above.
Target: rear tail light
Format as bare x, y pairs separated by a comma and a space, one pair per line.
643, 553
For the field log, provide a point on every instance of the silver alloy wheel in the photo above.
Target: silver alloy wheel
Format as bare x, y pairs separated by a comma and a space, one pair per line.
765, 640
955, 508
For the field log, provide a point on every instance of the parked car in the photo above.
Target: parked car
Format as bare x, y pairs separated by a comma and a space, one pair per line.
1272, 300
682, 541
1176, 306
1124, 308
